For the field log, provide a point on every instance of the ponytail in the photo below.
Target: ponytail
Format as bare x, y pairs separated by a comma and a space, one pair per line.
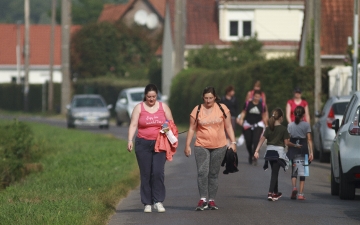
275, 115
299, 113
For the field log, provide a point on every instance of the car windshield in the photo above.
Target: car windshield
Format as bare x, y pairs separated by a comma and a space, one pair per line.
339, 108
139, 96
89, 102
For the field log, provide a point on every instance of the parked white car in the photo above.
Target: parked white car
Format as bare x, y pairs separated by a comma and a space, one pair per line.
345, 152
323, 134
127, 100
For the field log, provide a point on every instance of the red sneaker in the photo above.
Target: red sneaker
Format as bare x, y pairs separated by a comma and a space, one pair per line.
201, 205
294, 193
212, 205
276, 196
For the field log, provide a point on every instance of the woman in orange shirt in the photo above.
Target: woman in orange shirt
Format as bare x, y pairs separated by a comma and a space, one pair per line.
209, 120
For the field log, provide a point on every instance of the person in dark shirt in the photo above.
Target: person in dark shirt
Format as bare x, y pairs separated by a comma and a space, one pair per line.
231, 103
253, 120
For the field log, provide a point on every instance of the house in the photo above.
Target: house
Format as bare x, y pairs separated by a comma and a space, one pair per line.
336, 33
12, 60
276, 23
147, 13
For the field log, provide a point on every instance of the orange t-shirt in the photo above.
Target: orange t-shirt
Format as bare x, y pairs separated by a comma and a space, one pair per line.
210, 131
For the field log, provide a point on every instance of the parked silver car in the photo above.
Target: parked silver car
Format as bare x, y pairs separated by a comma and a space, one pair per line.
345, 152
127, 100
323, 134
90, 110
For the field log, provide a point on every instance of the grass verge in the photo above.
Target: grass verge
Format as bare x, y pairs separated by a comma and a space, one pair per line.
84, 176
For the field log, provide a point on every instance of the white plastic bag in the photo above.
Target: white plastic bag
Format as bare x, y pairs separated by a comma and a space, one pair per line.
240, 140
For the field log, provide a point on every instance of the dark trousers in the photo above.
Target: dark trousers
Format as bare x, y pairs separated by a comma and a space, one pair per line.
252, 138
275, 168
151, 165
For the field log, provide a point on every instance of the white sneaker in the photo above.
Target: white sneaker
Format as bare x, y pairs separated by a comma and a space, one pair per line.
159, 206
147, 209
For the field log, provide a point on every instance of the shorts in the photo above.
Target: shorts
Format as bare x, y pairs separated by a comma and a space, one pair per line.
298, 168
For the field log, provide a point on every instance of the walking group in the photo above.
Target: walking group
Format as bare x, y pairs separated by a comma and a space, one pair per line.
214, 122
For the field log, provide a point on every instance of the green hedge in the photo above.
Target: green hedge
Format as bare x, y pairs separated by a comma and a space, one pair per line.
278, 78
12, 97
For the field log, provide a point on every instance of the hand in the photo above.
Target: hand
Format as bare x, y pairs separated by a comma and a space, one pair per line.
311, 157
297, 146
240, 122
130, 146
187, 151
256, 155
232, 146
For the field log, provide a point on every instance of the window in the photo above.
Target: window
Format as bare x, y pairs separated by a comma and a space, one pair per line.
13, 79
234, 28
246, 28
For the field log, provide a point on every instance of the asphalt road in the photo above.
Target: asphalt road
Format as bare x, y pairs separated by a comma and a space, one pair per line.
241, 198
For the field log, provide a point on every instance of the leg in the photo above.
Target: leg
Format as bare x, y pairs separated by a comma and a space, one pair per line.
248, 141
216, 157
275, 168
157, 177
302, 183
144, 153
256, 138
202, 158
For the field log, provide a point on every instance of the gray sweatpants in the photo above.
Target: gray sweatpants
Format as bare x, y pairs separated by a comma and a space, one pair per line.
208, 163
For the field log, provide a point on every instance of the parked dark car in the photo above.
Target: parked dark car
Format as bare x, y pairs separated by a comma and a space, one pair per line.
88, 110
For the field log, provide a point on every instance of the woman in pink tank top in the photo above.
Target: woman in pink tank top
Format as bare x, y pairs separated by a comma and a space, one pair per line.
148, 117
293, 103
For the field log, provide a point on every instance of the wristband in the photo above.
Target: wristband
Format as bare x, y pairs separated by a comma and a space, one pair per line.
129, 140
234, 142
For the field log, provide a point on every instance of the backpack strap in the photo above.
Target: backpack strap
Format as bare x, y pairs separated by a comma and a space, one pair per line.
246, 105
197, 113
222, 110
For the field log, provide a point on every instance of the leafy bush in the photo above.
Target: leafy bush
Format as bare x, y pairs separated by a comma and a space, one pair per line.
278, 77
241, 52
16, 141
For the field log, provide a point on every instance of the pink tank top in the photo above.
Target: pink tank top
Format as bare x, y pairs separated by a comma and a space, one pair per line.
149, 124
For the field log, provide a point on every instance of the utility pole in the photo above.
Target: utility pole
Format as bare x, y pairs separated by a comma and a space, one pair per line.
180, 35
27, 54
18, 52
355, 50
317, 56
52, 41
65, 54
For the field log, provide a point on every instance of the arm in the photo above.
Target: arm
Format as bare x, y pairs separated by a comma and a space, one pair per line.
230, 131
168, 113
261, 142
288, 112
247, 96
290, 144
310, 146
307, 115
133, 126
242, 116
190, 134
265, 116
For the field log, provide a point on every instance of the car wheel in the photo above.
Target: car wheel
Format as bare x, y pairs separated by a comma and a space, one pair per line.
334, 185
118, 122
69, 125
323, 157
346, 188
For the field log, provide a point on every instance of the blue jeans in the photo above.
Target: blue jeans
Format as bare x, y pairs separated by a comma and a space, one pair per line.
151, 165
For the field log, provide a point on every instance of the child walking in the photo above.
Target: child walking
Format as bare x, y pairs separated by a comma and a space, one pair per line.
300, 132
277, 138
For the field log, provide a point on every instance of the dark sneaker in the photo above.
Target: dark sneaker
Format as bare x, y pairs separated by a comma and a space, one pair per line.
270, 197
201, 205
212, 205
294, 193
276, 196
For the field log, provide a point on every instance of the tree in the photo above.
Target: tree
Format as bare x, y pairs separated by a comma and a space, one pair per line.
104, 48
